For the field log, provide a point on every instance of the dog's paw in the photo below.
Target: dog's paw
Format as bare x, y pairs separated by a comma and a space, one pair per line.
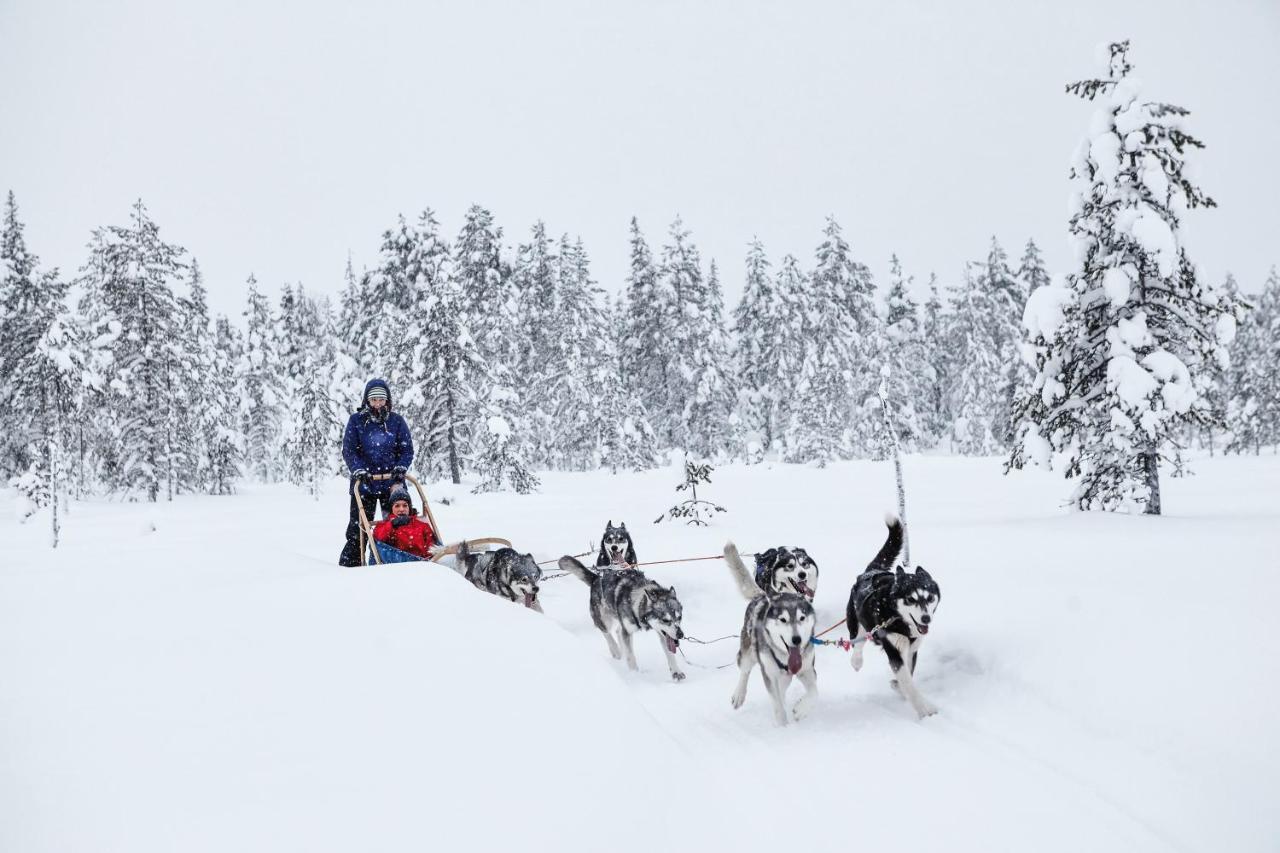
925, 708
677, 676
801, 709
855, 659
893, 682
739, 696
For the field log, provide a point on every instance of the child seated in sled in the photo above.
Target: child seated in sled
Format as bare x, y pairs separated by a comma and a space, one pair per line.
403, 529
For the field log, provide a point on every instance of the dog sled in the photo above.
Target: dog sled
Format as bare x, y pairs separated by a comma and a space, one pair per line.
373, 552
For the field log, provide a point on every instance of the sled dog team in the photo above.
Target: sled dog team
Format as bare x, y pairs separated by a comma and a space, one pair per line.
887, 605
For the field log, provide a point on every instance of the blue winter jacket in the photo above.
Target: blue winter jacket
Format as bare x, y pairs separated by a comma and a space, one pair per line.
377, 443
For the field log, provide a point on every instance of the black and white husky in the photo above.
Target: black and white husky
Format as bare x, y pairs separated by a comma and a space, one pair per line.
504, 573
777, 634
616, 547
777, 570
895, 609
629, 602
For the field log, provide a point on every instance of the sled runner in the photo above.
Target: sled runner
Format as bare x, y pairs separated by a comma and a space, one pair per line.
373, 552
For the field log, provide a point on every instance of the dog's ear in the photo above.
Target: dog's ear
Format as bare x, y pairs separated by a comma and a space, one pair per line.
622, 526
608, 524
767, 559
899, 576
921, 572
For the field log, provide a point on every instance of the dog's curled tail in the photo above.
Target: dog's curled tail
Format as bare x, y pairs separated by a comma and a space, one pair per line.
892, 547
746, 583
579, 571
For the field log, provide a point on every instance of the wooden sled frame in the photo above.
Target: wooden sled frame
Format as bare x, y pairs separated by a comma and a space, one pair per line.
366, 528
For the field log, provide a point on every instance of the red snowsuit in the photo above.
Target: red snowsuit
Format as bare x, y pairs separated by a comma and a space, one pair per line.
415, 537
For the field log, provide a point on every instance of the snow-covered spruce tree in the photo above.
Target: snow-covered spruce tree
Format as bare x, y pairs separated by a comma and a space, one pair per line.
534, 279
764, 354
225, 441
907, 384
1122, 349
317, 434
128, 279
409, 322
193, 385
646, 339
354, 360
21, 301
387, 295
499, 447
1007, 297
714, 428
449, 369
679, 298
935, 419
974, 387
827, 418
1031, 269
261, 403
1254, 377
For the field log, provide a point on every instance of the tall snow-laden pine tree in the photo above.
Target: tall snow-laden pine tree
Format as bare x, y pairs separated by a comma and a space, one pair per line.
23, 306
129, 280
645, 343
907, 384
1007, 296
260, 389
974, 387
499, 446
1122, 350
1254, 377
225, 441
1031, 269
713, 425
935, 419
764, 356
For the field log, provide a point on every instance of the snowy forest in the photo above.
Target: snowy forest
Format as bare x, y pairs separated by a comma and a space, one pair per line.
508, 358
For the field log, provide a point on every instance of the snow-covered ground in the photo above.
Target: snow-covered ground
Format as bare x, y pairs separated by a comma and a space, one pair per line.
200, 676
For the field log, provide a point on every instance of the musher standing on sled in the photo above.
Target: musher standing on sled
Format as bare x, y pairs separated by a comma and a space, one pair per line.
378, 449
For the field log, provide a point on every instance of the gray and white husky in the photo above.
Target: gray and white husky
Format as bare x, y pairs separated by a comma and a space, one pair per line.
777, 634
894, 608
626, 601
504, 572
783, 569
616, 547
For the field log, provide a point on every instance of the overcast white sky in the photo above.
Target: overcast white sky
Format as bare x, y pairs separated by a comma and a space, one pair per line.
275, 137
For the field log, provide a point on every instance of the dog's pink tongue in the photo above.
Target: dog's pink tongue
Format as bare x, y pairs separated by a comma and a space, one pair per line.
529, 600
672, 645
794, 661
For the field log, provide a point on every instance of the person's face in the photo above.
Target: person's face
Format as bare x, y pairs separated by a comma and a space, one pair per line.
376, 403
400, 508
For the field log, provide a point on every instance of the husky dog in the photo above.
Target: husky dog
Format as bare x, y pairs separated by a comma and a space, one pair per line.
616, 547
777, 634
777, 570
632, 603
504, 573
894, 608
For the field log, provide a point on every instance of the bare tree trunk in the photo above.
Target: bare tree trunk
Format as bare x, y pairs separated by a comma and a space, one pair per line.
1151, 471
455, 470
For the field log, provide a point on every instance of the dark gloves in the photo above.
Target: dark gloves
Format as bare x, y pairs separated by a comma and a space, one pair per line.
359, 474
401, 520
399, 471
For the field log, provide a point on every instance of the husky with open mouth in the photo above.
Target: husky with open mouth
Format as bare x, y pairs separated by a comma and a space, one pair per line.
616, 547
628, 602
777, 634
777, 570
504, 573
894, 608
